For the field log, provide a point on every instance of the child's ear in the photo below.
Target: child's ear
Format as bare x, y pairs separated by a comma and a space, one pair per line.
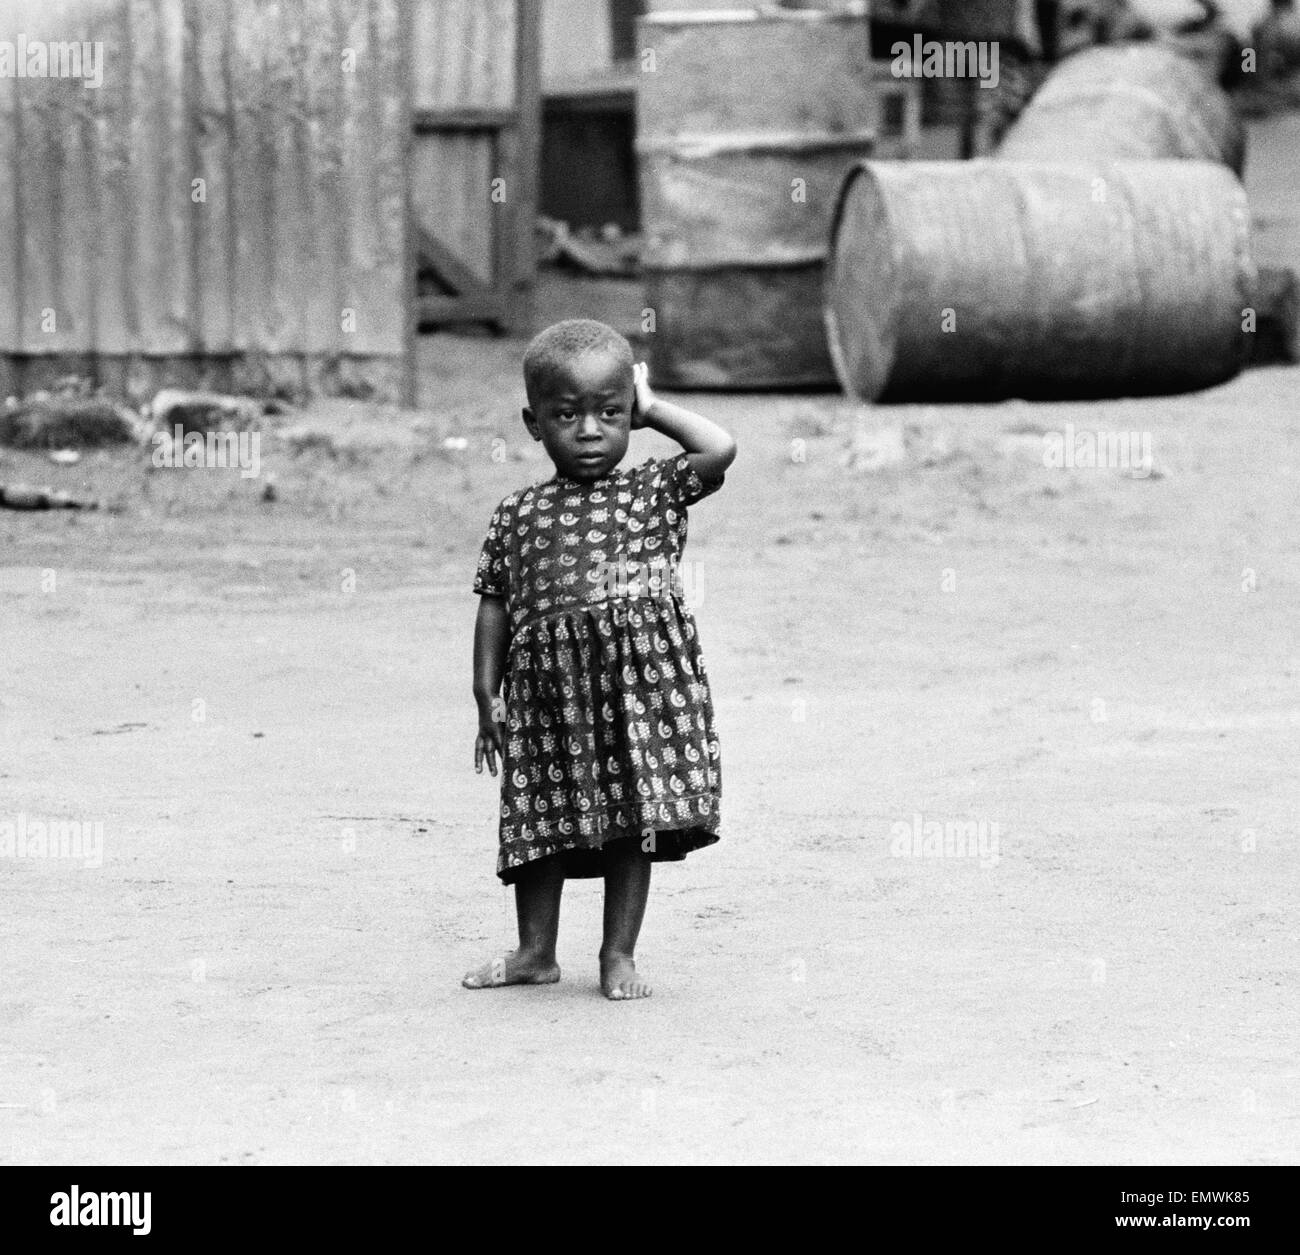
530, 421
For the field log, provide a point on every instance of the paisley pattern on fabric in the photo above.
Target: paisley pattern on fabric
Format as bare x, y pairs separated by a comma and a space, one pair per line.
609, 720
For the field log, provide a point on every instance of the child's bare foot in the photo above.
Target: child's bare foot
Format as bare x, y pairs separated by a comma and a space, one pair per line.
619, 981
516, 968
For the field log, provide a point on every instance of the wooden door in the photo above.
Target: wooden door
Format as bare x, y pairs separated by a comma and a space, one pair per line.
476, 118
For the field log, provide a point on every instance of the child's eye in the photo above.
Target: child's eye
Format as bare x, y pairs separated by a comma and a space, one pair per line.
612, 411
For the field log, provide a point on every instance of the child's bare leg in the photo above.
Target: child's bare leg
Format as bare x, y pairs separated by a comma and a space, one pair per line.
537, 903
627, 886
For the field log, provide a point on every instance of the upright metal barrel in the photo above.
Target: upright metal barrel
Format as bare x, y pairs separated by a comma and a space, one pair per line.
1127, 102
748, 121
988, 279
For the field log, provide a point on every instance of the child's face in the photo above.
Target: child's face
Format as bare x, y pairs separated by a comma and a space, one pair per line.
582, 414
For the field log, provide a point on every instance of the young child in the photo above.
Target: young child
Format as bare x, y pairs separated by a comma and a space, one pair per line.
609, 756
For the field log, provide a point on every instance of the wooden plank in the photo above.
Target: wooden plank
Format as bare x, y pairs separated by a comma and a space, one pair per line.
593, 90
452, 188
472, 118
756, 144
577, 38
451, 271
485, 307
463, 53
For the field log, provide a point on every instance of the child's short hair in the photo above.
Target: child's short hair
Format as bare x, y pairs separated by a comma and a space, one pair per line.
561, 342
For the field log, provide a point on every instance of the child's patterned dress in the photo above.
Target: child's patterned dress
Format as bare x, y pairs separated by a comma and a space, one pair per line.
609, 721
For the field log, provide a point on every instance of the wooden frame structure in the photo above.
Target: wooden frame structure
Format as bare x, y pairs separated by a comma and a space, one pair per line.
476, 127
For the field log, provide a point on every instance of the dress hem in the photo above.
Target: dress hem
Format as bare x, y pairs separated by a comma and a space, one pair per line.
582, 854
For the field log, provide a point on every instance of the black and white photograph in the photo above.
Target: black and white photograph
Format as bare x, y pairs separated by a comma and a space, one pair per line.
650, 583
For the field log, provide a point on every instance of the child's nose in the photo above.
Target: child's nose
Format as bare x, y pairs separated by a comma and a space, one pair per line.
589, 426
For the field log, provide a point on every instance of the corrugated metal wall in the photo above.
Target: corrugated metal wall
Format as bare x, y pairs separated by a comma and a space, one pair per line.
303, 211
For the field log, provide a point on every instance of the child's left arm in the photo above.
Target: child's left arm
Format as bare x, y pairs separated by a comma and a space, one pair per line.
709, 449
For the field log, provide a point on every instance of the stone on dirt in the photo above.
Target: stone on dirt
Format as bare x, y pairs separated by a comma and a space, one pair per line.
68, 416
876, 449
204, 411
24, 497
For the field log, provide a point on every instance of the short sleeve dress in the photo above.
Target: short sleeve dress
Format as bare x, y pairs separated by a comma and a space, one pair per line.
609, 720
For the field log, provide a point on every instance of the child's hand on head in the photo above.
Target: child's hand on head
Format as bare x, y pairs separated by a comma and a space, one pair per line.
644, 398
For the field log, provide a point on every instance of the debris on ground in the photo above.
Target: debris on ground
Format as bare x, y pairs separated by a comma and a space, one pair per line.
356, 433
207, 411
24, 497
609, 251
810, 421
939, 450
874, 450
304, 438
70, 414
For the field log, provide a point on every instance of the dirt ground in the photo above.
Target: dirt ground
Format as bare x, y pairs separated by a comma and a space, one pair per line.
265, 968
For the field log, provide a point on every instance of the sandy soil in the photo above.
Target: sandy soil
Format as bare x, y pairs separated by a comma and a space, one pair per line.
265, 968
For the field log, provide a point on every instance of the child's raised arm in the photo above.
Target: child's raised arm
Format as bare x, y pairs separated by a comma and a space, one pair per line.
709, 449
